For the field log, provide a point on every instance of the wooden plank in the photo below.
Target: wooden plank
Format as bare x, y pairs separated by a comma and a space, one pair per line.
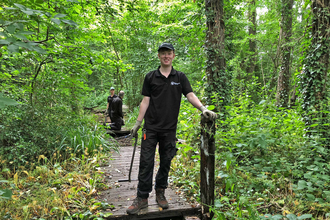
121, 194
207, 165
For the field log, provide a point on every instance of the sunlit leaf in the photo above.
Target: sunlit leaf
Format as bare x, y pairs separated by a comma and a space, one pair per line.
211, 107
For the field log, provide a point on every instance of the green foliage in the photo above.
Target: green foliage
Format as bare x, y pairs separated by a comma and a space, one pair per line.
265, 164
6, 101
57, 57
96, 100
73, 183
5, 193
27, 133
83, 141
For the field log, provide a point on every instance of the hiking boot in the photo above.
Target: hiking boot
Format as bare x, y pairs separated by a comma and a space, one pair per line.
160, 198
138, 204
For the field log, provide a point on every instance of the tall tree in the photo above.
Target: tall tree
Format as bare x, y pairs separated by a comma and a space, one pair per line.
283, 85
314, 76
217, 77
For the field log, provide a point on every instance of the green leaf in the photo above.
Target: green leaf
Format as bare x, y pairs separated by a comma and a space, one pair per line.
4, 42
6, 101
25, 32
70, 22
28, 11
11, 28
19, 36
13, 48
302, 184
277, 217
60, 16
39, 50
49, 15
19, 26
211, 107
56, 21
20, 6
22, 44
305, 216
320, 200
5, 194
291, 216
10, 8
310, 197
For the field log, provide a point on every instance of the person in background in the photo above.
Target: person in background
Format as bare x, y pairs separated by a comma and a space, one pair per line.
162, 90
117, 112
110, 98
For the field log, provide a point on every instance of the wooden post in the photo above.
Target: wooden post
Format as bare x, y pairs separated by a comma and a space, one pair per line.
207, 166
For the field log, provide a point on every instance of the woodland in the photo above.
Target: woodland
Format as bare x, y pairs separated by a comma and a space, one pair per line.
262, 65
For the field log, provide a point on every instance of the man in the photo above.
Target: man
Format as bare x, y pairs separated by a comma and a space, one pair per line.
162, 91
116, 112
110, 98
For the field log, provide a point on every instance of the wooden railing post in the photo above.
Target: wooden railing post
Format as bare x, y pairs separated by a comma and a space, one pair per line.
207, 166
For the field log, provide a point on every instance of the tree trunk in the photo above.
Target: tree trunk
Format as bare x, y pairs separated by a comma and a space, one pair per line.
217, 78
283, 88
253, 79
252, 43
314, 76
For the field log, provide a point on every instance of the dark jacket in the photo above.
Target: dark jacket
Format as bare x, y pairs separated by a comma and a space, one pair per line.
116, 109
110, 99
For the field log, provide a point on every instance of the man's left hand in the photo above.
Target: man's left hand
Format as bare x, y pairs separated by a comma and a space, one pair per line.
208, 114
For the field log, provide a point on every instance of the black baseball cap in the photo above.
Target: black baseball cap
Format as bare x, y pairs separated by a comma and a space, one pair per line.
166, 45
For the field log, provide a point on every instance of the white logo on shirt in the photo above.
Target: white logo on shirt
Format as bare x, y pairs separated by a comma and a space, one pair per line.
175, 83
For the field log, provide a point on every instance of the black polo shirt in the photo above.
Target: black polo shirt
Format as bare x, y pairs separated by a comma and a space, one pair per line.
165, 99
110, 99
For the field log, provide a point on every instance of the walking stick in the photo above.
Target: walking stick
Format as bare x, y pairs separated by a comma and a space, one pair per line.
132, 160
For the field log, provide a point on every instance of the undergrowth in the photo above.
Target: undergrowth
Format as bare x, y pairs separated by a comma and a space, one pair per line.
70, 188
266, 166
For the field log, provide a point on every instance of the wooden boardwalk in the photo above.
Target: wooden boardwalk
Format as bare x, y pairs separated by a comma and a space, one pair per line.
122, 194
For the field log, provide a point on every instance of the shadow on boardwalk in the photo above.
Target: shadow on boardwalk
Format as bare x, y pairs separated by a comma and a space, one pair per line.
121, 194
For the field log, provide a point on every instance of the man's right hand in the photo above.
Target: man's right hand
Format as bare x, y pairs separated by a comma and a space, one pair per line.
136, 128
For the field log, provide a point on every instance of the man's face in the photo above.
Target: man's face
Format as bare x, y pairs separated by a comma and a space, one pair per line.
166, 57
112, 91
